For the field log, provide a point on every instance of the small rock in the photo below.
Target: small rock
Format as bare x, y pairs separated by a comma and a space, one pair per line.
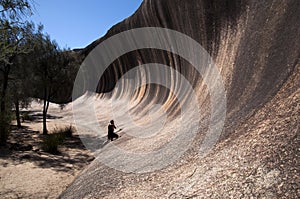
69, 165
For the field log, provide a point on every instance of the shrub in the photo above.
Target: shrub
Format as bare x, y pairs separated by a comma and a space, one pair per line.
56, 137
26, 116
50, 142
68, 131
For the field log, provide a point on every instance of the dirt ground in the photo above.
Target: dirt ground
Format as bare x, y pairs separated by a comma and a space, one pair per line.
28, 172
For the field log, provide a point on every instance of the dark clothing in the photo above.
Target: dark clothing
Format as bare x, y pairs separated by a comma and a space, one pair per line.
111, 135
111, 128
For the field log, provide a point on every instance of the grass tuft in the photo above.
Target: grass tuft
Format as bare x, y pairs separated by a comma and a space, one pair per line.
55, 138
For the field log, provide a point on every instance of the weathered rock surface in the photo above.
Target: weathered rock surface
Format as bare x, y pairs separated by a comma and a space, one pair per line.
256, 46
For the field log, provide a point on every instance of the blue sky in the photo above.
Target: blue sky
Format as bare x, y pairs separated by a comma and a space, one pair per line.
76, 24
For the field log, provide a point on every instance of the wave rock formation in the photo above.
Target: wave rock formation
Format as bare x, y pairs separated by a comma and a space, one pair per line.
255, 46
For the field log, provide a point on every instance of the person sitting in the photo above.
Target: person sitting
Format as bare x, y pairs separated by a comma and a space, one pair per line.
111, 135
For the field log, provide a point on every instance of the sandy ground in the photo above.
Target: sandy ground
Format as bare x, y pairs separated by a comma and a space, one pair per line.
28, 172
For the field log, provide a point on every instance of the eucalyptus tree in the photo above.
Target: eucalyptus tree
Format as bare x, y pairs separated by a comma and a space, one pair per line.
51, 69
20, 83
13, 32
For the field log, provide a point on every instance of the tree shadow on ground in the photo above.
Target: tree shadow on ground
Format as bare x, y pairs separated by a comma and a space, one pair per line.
24, 146
35, 116
38, 117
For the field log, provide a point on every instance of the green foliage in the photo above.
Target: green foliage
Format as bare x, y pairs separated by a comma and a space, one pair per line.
14, 10
31, 63
54, 139
13, 30
50, 142
14, 36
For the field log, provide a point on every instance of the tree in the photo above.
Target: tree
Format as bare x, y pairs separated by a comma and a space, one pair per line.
50, 73
20, 83
13, 31
12, 26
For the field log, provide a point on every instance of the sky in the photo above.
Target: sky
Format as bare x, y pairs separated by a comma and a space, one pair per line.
77, 23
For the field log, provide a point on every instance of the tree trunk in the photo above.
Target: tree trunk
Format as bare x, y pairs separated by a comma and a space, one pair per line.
4, 89
4, 122
18, 114
45, 131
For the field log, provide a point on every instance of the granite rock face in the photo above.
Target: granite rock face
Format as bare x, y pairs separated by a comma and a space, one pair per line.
256, 47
